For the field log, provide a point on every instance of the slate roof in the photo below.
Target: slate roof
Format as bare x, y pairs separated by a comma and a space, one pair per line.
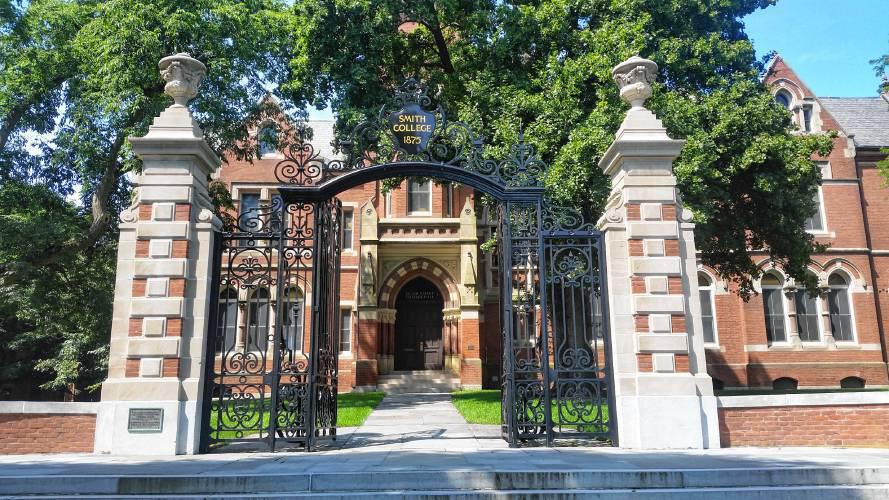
866, 117
322, 138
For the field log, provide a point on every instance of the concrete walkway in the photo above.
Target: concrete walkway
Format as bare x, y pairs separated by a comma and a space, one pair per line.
422, 422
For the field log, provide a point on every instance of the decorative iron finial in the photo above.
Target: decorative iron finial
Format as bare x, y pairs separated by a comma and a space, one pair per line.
634, 78
412, 92
183, 75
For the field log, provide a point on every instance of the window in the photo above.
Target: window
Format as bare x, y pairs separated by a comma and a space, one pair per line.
840, 308
807, 119
294, 307
785, 384
258, 320
249, 211
227, 319
783, 98
268, 140
346, 330
852, 383
816, 221
348, 229
773, 304
419, 197
807, 316
708, 318
277, 208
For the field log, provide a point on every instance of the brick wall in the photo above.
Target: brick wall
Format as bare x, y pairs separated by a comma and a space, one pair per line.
46, 433
852, 420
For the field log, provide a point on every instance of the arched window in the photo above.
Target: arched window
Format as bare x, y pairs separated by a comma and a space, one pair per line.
808, 321
783, 98
852, 383
773, 306
785, 384
258, 320
840, 308
294, 310
419, 197
227, 318
708, 307
268, 140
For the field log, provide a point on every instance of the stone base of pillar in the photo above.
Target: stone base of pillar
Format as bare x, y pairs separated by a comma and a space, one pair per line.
366, 372
452, 363
386, 363
667, 413
178, 435
471, 373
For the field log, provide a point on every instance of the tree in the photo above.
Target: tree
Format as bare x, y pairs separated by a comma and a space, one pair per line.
547, 65
78, 78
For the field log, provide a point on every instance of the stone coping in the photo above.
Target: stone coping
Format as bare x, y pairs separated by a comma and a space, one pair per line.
48, 407
810, 399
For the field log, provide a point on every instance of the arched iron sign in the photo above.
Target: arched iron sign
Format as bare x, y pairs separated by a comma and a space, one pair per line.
277, 271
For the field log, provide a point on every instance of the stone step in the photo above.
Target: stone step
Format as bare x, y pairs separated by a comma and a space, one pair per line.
418, 382
868, 492
805, 483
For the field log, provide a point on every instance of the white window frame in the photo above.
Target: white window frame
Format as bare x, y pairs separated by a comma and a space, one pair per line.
821, 214
819, 314
712, 288
410, 193
274, 153
343, 312
348, 243
784, 310
388, 201
849, 285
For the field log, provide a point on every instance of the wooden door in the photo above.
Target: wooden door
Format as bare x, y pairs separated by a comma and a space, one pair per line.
418, 326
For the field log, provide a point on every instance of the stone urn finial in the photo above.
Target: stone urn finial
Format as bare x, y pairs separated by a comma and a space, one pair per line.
183, 75
634, 78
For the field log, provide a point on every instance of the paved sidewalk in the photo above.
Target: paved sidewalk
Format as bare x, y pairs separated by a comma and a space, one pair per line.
422, 421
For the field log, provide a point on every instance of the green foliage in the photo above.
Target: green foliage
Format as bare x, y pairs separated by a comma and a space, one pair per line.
79, 77
547, 66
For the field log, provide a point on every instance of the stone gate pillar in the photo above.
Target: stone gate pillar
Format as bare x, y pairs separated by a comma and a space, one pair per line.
151, 401
663, 394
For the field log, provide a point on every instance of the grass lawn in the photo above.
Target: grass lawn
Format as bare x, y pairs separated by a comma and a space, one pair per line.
352, 410
483, 407
478, 407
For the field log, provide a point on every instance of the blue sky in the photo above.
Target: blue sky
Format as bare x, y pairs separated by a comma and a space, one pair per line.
827, 42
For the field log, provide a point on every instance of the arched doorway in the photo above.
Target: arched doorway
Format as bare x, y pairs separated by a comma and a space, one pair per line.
418, 326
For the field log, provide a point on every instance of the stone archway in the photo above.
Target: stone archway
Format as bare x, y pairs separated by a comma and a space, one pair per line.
393, 283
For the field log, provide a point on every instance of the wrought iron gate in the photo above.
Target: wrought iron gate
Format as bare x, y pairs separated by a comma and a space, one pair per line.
277, 275
268, 382
555, 349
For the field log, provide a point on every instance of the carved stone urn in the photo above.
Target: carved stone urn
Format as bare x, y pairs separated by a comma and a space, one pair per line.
183, 75
634, 78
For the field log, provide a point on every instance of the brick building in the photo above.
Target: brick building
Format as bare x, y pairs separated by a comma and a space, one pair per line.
434, 303
782, 337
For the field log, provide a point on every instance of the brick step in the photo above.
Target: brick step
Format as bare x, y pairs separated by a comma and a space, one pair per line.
806, 483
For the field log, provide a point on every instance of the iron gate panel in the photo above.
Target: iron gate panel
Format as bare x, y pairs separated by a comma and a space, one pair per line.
267, 381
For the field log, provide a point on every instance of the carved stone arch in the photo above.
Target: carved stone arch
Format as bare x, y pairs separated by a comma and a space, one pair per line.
766, 265
796, 93
856, 278
413, 268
